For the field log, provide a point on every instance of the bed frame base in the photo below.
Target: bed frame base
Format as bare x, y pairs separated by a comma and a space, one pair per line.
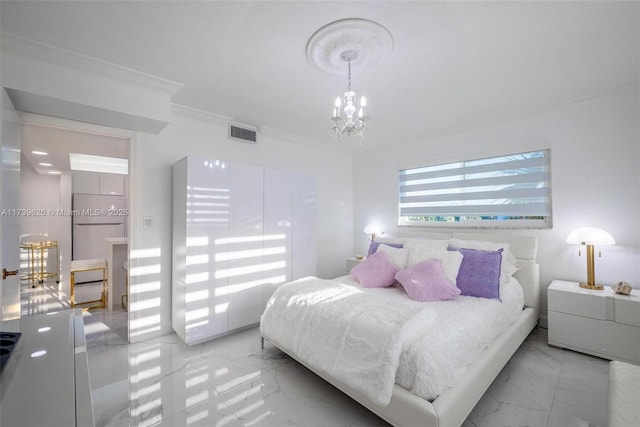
454, 405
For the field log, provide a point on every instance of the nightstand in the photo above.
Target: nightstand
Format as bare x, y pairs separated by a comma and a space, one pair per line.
352, 262
601, 323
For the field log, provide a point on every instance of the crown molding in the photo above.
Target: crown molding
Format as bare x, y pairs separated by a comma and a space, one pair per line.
610, 91
220, 119
300, 140
20, 46
525, 113
194, 113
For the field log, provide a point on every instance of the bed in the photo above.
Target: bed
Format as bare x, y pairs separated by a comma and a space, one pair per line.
404, 406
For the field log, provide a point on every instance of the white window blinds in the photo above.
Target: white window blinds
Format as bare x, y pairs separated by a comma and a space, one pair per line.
512, 190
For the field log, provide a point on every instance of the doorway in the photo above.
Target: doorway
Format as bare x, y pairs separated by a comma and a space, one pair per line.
50, 186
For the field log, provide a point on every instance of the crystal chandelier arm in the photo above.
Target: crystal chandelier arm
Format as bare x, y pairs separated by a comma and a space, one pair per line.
348, 124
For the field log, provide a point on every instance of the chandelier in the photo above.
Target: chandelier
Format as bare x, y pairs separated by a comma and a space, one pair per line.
348, 124
358, 42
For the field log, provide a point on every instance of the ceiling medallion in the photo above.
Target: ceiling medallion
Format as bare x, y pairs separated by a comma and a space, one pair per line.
357, 42
369, 40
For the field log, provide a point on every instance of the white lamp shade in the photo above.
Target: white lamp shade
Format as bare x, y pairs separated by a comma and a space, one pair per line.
371, 229
590, 236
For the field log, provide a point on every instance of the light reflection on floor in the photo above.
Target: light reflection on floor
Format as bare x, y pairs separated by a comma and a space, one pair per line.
232, 382
39, 298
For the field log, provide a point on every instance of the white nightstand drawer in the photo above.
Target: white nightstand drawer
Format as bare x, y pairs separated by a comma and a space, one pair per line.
601, 338
576, 332
572, 299
627, 311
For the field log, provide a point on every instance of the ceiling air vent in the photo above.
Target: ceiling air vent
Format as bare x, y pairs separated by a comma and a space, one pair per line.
243, 133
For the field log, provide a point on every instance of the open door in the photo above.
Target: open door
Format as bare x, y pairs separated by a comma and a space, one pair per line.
10, 210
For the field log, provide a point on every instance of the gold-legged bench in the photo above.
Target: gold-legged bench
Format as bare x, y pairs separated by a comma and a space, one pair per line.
88, 265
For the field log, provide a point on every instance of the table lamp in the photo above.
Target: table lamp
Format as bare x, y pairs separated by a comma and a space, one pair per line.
372, 230
590, 237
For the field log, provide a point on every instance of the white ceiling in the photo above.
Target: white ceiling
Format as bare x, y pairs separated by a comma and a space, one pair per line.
454, 65
58, 143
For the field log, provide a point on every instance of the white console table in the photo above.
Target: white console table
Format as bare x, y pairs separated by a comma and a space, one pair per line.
46, 379
600, 323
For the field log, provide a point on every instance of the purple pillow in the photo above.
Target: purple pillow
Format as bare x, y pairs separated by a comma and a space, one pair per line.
479, 274
373, 247
427, 281
377, 271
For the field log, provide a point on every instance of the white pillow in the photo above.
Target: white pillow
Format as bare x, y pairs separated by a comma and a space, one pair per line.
399, 256
450, 260
382, 239
426, 243
509, 264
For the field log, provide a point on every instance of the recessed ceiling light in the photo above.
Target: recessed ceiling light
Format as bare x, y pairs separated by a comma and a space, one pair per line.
54, 172
45, 164
40, 153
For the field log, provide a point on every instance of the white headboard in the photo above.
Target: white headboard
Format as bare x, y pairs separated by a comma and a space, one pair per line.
524, 248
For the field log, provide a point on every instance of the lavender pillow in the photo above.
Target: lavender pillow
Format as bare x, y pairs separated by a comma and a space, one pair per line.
373, 247
377, 271
427, 281
479, 274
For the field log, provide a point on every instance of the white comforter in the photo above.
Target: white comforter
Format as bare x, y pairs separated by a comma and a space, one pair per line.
372, 338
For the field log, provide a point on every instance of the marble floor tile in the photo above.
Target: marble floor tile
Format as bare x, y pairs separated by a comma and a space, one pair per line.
573, 384
36, 298
48, 296
224, 372
235, 346
108, 364
288, 394
111, 403
558, 418
212, 412
522, 394
232, 382
581, 396
103, 328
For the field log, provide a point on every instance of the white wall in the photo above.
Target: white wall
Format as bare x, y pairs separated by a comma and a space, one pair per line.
37, 192
47, 194
595, 151
9, 199
151, 187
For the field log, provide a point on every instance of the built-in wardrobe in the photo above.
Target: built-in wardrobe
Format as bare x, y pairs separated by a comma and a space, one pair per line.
239, 231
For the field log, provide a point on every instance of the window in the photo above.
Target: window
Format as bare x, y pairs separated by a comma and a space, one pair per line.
504, 191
